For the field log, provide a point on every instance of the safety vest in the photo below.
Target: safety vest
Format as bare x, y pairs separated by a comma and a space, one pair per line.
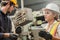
54, 29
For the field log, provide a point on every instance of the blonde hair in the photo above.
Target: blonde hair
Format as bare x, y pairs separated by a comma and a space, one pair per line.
56, 15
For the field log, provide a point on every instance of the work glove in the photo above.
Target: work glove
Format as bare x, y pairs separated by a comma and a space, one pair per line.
13, 36
45, 35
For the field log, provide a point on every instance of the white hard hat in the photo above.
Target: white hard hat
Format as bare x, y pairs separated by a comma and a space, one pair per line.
53, 6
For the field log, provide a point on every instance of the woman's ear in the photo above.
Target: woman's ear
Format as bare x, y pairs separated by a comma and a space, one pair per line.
56, 16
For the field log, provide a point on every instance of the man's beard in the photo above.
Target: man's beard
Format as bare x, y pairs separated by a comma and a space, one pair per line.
8, 12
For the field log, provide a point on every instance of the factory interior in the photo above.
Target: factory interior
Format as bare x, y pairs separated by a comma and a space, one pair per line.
28, 20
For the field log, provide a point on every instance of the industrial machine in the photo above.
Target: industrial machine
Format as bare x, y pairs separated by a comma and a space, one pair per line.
22, 20
27, 23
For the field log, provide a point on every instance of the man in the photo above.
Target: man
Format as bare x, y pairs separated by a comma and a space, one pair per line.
5, 23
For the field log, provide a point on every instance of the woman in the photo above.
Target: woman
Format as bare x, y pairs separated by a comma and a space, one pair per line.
51, 16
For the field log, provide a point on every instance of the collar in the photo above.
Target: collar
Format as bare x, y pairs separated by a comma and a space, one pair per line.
3, 13
50, 25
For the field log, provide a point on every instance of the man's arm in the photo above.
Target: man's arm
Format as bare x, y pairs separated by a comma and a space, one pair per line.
2, 35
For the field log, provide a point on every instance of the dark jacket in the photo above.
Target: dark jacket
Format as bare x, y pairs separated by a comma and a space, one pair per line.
5, 25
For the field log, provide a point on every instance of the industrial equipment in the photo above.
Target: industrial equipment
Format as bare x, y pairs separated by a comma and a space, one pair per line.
24, 20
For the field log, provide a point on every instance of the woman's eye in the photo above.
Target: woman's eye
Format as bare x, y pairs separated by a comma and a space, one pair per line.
47, 12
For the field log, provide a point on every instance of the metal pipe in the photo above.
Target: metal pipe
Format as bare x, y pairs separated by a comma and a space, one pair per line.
22, 4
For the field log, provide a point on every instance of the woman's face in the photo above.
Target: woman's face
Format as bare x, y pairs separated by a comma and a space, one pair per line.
48, 15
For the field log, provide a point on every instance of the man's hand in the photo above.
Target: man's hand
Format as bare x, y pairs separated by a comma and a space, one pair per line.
6, 35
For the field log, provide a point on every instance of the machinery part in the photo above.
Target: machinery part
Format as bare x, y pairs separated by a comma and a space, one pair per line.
18, 30
21, 20
40, 18
30, 36
45, 35
21, 16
